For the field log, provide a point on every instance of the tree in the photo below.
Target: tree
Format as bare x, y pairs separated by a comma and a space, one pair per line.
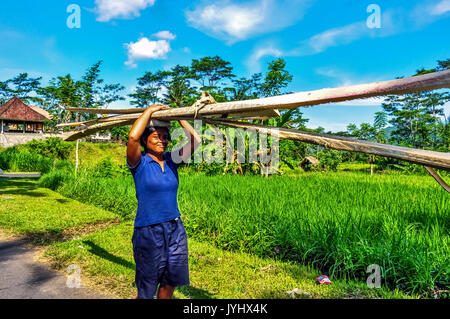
4, 92
61, 92
209, 71
89, 92
89, 87
94, 92
245, 89
120, 132
443, 65
415, 116
148, 89
21, 86
179, 92
291, 151
276, 78
374, 133
379, 125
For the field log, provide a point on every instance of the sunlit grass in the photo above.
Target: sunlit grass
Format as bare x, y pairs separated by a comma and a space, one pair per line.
106, 262
337, 222
27, 209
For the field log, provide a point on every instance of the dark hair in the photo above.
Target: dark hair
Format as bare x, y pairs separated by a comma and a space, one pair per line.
146, 134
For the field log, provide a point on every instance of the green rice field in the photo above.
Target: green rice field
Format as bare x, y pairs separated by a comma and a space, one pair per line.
338, 222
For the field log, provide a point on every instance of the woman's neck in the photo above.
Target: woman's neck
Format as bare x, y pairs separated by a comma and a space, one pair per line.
158, 157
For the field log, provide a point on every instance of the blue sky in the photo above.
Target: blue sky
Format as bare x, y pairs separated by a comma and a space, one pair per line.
324, 43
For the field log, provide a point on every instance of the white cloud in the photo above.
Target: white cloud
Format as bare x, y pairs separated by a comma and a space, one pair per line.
146, 49
333, 37
253, 62
125, 9
234, 22
440, 8
343, 78
164, 35
329, 38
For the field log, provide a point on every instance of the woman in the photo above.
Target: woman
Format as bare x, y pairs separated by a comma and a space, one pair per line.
159, 238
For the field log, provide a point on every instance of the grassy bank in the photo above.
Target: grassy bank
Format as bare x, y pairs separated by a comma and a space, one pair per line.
75, 233
106, 262
90, 154
339, 223
43, 215
44, 156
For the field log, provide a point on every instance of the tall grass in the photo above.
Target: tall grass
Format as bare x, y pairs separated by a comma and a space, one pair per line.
113, 194
338, 222
14, 160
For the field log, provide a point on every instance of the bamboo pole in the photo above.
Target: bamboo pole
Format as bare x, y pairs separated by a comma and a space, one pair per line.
426, 82
76, 157
74, 135
438, 178
434, 159
401, 86
246, 108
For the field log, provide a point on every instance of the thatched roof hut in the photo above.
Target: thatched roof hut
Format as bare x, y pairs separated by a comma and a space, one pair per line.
308, 162
15, 113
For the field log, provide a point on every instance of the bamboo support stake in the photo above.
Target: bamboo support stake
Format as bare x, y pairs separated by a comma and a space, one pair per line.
438, 178
76, 157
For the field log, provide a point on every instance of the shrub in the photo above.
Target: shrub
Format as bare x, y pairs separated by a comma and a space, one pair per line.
52, 147
330, 159
106, 168
55, 179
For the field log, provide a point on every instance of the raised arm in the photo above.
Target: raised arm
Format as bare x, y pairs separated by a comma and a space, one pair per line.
194, 141
134, 147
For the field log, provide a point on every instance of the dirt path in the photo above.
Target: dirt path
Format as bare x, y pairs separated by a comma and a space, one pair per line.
22, 277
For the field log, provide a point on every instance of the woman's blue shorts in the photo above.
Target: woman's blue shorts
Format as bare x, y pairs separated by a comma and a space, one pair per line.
161, 257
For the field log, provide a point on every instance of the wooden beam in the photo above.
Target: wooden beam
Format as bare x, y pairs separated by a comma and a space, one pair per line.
426, 82
260, 115
74, 135
419, 83
434, 159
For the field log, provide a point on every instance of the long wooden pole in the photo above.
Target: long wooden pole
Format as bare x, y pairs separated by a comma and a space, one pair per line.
438, 179
426, 82
434, 159
74, 135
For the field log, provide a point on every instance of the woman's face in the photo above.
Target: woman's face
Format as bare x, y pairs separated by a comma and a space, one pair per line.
157, 141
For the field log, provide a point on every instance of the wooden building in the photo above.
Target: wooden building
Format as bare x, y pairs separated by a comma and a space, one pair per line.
16, 116
308, 163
